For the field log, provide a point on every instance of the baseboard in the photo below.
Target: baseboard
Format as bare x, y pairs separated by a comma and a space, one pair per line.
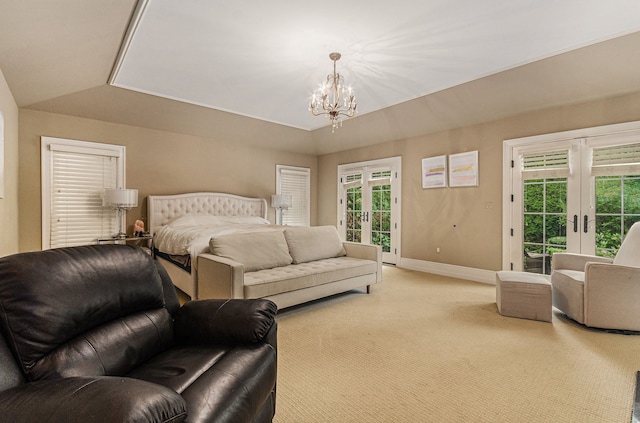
451, 270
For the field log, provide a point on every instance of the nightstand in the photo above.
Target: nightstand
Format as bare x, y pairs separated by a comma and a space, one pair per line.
143, 241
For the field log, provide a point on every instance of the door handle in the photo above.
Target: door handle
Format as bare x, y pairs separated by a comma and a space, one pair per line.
586, 223
575, 223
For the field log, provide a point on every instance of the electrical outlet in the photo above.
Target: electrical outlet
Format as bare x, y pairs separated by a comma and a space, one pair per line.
438, 250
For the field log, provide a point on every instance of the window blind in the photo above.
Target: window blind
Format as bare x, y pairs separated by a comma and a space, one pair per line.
296, 182
382, 177
616, 160
351, 180
553, 164
78, 179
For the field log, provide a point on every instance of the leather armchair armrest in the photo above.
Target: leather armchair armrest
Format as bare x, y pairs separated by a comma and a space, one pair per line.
572, 261
92, 399
225, 321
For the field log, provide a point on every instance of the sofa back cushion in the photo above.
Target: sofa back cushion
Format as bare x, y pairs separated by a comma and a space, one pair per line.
310, 243
90, 310
255, 250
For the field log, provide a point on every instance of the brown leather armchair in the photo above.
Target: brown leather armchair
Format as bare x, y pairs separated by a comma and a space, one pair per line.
96, 334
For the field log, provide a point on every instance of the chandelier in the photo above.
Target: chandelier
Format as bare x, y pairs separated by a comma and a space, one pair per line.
333, 99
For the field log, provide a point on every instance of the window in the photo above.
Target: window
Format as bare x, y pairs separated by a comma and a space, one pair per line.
295, 181
74, 175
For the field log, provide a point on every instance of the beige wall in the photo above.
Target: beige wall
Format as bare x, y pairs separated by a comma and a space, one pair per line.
158, 162
429, 216
9, 204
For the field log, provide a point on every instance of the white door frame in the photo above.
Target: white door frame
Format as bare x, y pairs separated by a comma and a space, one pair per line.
511, 180
395, 164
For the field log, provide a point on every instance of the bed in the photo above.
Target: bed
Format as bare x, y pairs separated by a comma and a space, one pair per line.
183, 224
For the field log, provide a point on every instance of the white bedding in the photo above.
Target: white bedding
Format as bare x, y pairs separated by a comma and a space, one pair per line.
190, 234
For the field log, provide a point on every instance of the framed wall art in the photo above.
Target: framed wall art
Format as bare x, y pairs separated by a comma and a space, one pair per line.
434, 172
463, 169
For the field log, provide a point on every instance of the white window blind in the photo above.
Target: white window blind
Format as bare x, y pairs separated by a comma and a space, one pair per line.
382, 177
295, 181
553, 164
76, 176
351, 180
616, 160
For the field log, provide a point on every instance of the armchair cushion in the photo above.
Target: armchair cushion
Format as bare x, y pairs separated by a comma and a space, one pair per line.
96, 400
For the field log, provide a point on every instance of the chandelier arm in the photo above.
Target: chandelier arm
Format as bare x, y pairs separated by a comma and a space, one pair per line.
331, 99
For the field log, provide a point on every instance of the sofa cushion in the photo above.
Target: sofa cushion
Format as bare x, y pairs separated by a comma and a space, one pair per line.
310, 243
298, 276
255, 250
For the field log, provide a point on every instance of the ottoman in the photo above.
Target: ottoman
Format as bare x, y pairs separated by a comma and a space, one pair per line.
523, 295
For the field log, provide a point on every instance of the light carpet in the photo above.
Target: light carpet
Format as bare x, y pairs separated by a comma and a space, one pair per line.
427, 348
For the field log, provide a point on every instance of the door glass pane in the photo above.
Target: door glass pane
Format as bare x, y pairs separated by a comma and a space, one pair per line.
617, 208
545, 222
381, 216
354, 214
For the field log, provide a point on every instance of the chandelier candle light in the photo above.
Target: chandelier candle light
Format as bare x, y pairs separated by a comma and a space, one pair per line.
333, 99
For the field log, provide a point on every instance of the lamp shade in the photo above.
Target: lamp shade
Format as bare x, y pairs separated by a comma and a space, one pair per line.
120, 198
281, 201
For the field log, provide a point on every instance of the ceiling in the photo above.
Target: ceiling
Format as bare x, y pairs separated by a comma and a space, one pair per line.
196, 67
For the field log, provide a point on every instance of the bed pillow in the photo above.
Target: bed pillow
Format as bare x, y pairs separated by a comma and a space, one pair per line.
310, 243
255, 250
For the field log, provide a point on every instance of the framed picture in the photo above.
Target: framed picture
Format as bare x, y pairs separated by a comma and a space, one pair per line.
463, 169
434, 172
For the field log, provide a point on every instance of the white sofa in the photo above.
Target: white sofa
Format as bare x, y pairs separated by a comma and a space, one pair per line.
289, 266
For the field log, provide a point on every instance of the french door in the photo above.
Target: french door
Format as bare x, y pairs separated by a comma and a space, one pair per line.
368, 205
577, 195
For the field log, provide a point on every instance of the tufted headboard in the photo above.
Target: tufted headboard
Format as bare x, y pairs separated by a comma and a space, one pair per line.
161, 209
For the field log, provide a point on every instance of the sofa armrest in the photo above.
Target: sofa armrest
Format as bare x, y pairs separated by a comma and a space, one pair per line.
572, 261
219, 277
225, 321
96, 399
366, 252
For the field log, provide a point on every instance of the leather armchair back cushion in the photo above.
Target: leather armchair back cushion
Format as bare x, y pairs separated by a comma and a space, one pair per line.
112, 349
54, 297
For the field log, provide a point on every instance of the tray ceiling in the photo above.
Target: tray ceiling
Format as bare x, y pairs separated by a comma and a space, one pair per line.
263, 59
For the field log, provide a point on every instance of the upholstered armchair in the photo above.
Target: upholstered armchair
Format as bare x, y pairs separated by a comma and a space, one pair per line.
96, 334
597, 291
